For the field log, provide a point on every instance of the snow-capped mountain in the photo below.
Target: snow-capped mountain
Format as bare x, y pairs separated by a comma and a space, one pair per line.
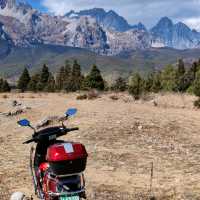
103, 32
178, 36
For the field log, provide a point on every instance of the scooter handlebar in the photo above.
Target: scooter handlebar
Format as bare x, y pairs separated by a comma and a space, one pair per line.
60, 131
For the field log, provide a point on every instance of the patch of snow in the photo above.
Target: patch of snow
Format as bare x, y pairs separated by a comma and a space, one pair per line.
157, 44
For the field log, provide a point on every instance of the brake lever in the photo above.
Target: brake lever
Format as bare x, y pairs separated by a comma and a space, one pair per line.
66, 118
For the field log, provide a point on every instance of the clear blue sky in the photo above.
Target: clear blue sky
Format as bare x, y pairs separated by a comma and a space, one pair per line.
38, 5
146, 11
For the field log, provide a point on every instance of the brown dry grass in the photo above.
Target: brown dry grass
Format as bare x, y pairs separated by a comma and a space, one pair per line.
122, 137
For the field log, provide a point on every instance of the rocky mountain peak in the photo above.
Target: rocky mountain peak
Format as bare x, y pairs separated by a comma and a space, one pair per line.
3, 3
140, 27
178, 35
165, 22
11, 3
181, 27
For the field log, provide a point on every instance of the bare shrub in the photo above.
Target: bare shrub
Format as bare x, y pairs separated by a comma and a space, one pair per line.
93, 94
32, 97
82, 97
197, 103
146, 97
114, 97
5, 96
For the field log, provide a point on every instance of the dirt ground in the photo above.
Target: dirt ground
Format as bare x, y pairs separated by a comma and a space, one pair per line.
123, 139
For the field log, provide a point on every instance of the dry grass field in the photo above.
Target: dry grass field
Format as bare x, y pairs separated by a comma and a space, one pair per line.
123, 138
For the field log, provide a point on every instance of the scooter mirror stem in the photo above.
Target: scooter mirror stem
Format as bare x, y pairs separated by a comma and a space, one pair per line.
32, 128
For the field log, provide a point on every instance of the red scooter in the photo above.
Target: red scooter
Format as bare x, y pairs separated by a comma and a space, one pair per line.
57, 166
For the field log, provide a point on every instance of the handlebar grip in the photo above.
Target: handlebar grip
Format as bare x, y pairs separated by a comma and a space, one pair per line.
29, 141
72, 129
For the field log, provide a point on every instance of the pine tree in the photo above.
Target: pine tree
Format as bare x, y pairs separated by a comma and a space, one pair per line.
169, 79
196, 84
51, 84
76, 77
156, 86
64, 78
24, 80
44, 77
32, 86
148, 83
94, 80
5, 86
1, 84
181, 77
60, 78
196, 89
181, 68
120, 85
68, 77
136, 86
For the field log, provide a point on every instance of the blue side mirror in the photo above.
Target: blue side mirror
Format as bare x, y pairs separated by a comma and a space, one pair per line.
24, 122
71, 112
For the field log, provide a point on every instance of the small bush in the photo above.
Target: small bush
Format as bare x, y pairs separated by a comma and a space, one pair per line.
82, 97
197, 103
114, 97
146, 96
93, 94
136, 86
5, 96
32, 97
120, 85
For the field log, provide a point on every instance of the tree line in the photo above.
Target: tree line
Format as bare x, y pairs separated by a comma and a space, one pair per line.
70, 78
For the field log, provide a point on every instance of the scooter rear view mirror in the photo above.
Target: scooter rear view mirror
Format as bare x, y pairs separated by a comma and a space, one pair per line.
24, 122
71, 112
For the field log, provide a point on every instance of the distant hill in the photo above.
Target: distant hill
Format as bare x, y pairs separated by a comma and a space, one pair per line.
13, 59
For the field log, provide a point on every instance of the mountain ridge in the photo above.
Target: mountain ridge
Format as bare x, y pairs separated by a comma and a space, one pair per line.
107, 19
103, 32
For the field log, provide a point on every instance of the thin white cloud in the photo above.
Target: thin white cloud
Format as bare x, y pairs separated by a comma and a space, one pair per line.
193, 22
146, 11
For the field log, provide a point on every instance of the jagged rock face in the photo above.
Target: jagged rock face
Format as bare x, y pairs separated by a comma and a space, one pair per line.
3, 3
109, 20
4, 36
8, 3
127, 41
139, 27
86, 33
163, 31
178, 36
